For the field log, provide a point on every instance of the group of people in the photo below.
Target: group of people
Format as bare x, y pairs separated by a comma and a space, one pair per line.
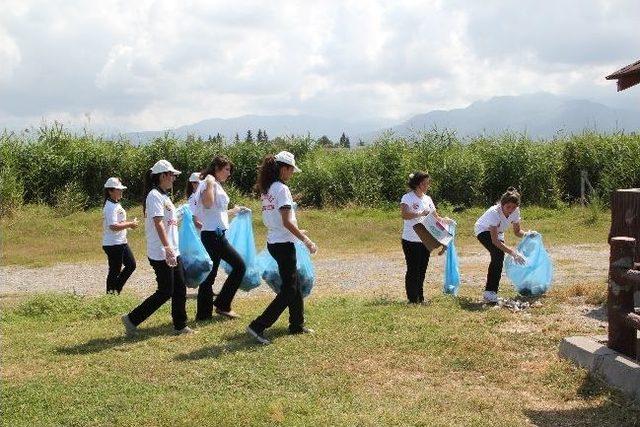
489, 229
209, 205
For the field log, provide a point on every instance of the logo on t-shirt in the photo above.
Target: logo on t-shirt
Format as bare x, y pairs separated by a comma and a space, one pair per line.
416, 206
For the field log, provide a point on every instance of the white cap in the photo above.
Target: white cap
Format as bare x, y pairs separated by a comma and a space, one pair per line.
164, 166
287, 158
114, 182
195, 177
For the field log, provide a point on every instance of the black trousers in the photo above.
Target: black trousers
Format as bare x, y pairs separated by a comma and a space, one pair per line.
497, 260
170, 286
119, 255
416, 256
219, 248
290, 294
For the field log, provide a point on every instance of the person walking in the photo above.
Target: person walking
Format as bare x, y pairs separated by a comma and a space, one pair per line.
114, 236
161, 230
278, 215
214, 213
489, 230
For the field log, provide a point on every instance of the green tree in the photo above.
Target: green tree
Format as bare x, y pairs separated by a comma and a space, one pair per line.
324, 141
237, 138
249, 137
344, 141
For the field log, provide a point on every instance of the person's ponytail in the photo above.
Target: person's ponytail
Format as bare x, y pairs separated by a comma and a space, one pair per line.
267, 174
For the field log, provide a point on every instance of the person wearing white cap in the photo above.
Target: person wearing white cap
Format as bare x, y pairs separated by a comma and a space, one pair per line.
114, 236
214, 214
194, 204
278, 215
161, 230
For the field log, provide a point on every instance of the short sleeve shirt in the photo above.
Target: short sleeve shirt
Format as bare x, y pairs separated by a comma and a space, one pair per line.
415, 204
278, 196
113, 213
160, 205
494, 217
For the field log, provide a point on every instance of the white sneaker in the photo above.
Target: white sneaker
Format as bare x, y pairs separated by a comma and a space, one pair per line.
490, 297
129, 328
258, 336
185, 331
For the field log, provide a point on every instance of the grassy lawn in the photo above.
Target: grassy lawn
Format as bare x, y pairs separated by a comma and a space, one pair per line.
371, 362
36, 237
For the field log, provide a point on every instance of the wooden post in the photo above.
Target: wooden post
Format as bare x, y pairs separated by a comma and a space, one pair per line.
625, 216
623, 281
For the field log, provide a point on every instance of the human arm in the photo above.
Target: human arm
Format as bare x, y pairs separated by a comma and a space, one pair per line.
287, 222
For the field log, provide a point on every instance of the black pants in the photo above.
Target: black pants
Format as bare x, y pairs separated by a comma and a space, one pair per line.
290, 294
219, 248
119, 255
170, 286
495, 266
416, 256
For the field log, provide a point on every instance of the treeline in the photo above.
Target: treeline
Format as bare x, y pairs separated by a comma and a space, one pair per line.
54, 166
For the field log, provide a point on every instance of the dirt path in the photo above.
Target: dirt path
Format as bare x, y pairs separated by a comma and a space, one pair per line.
372, 274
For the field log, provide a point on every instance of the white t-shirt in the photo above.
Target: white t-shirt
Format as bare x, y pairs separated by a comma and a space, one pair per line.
494, 217
215, 217
160, 205
113, 213
415, 204
194, 204
278, 196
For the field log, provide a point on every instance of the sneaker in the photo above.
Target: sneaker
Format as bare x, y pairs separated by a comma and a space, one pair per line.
129, 327
258, 336
490, 297
185, 331
303, 330
228, 314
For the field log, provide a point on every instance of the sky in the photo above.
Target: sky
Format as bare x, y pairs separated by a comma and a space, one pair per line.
150, 65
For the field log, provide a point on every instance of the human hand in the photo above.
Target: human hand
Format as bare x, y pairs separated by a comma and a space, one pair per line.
209, 180
133, 223
531, 233
198, 224
519, 258
310, 245
170, 256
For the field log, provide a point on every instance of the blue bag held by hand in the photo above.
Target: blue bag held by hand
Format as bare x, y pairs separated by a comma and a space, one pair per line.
535, 275
240, 236
269, 269
451, 266
196, 261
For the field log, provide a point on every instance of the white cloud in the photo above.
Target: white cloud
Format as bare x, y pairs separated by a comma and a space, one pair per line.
157, 64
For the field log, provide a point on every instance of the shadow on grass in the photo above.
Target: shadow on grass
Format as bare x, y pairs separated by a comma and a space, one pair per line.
617, 410
240, 341
469, 304
385, 302
97, 345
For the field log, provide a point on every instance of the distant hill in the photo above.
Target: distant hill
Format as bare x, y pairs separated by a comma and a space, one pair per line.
540, 115
273, 125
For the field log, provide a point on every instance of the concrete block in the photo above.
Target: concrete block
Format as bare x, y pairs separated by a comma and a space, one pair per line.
591, 353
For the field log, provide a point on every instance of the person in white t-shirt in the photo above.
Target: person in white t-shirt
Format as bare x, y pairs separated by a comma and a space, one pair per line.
214, 213
194, 203
161, 231
415, 205
279, 217
490, 228
114, 236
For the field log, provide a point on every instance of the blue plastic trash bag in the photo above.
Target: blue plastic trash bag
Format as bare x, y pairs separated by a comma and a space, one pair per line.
195, 260
535, 275
240, 236
269, 269
451, 266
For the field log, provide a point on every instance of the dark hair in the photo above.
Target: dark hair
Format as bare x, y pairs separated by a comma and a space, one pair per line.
151, 181
189, 190
268, 173
510, 196
216, 164
416, 178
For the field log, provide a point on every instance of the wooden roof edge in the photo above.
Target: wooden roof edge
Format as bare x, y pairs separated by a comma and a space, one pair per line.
625, 71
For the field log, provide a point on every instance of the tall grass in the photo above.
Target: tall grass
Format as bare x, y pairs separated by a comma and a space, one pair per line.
36, 167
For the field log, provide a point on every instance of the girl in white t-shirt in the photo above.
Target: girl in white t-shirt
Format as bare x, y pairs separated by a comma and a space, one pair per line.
194, 203
114, 236
279, 217
413, 206
214, 214
490, 228
161, 231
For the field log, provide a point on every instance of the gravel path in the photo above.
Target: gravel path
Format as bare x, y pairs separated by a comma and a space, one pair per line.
372, 274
